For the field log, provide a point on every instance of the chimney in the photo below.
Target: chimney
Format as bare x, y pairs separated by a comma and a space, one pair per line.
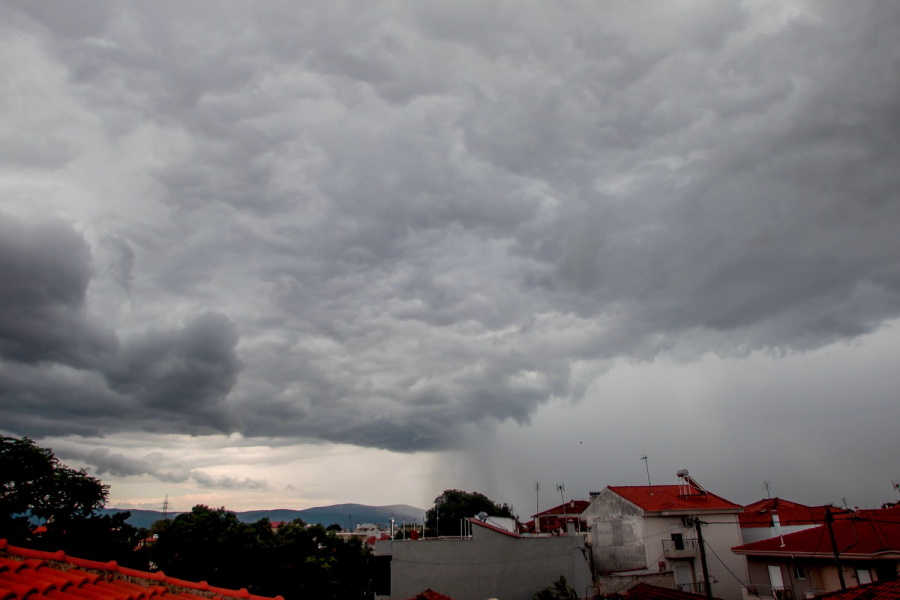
776, 525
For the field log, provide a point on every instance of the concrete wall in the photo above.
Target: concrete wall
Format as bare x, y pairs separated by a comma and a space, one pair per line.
617, 533
490, 564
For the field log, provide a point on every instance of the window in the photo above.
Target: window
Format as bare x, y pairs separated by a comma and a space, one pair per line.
799, 573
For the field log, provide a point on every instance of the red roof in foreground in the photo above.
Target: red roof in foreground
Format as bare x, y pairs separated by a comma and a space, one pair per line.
430, 594
645, 591
671, 497
37, 575
866, 533
759, 514
881, 590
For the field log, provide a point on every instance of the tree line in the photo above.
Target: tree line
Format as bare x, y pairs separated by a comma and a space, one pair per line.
45, 505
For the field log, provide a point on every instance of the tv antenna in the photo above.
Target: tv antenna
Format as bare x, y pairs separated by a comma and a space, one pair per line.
537, 497
647, 464
768, 489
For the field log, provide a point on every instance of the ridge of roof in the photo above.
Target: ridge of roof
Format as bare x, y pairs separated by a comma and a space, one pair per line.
878, 590
36, 561
574, 507
646, 591
759, 513
862, 535
658, 498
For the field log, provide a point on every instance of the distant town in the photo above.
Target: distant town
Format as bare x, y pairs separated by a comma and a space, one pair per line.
677, 541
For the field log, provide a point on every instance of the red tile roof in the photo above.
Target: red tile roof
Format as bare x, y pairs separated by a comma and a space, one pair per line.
865, 534
27, 574
572, 507
430, 594
759, 514
660, 498
881, 590
645, 591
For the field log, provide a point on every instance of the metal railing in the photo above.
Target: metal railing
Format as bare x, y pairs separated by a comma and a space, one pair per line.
693, 588
761, 590
680, 548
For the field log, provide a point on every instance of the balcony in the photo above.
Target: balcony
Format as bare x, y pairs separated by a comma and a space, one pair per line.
680, 548
759, 590
691, 588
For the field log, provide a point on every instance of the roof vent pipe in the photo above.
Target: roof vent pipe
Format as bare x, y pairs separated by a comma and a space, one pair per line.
776, 525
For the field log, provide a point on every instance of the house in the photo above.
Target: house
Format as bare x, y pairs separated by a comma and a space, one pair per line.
27, 574
642, 529
555, 519
491, 562
773, 517
802, 564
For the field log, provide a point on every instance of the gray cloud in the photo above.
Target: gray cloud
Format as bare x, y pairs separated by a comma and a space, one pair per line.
384, 226
155, 465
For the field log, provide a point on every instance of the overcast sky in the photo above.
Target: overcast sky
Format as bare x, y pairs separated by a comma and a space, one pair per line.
290, 254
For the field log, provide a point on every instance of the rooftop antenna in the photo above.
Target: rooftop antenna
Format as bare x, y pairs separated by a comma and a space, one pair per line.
165, 508
537, 497
647, 464
896, 485
768, 489
561, 488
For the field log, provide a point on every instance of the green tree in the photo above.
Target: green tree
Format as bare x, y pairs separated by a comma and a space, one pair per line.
33, 483
296, 561
560, 590
453, 505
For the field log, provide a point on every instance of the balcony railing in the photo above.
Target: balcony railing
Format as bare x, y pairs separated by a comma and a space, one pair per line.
680, 548
759, 590
693, 588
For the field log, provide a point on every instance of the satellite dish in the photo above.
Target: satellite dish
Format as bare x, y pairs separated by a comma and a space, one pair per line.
483, 517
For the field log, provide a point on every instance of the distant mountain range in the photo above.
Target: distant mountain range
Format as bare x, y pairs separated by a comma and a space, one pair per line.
343, 514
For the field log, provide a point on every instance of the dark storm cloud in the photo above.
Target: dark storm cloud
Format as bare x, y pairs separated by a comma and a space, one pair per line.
383, 224
63, 372
45, 270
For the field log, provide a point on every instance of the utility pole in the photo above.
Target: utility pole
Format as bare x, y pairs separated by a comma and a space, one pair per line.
706, 589
829, 519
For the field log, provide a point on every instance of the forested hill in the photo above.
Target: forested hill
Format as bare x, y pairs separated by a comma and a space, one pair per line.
342, 514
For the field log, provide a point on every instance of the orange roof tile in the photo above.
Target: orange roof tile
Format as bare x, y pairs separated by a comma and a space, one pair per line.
881, 590
645, 591
26, 575
659, 498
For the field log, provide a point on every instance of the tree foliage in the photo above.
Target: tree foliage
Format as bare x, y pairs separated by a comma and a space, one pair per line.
452, 506
559, 590
37, 490
295, 561
34, 483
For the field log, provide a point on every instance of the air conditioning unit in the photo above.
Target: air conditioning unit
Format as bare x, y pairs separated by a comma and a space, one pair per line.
688, 521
